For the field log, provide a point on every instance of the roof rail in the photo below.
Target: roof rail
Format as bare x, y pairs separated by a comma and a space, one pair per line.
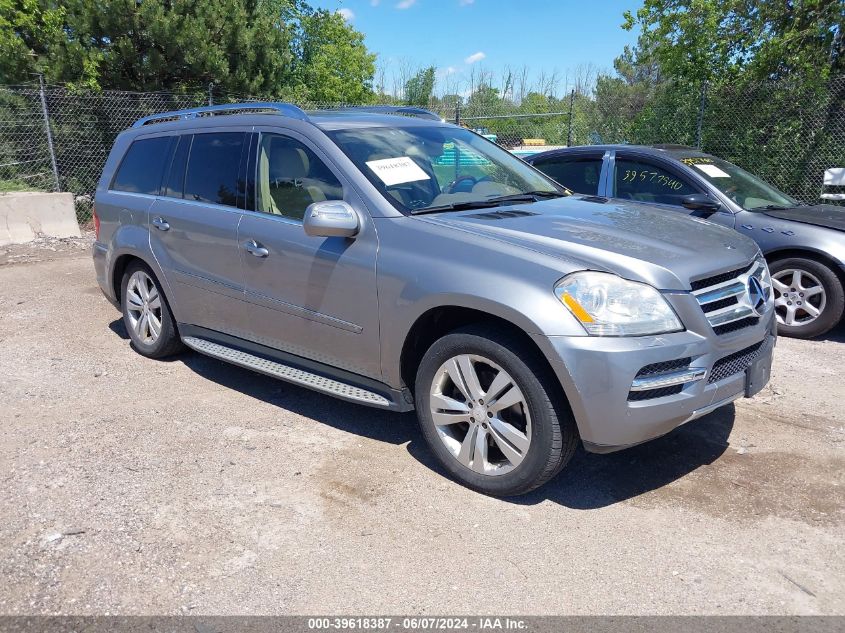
285, 109
406, 110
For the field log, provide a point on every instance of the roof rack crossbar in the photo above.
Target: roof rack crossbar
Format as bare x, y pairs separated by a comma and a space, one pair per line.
286, 109
406, 110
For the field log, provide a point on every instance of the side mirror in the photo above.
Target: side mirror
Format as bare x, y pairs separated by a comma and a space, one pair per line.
331, 218
700, 202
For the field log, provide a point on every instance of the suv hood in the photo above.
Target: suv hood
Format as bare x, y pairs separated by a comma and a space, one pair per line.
827, 215
662, 248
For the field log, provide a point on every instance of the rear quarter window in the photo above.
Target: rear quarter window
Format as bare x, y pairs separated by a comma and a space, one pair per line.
142, 166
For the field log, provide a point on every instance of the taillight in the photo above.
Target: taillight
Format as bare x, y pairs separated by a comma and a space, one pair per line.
96, 222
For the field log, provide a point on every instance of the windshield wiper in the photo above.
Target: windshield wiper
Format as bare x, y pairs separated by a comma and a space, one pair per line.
457, 206
770, 207
528, 196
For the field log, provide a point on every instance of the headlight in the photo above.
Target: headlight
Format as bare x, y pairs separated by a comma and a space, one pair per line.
607, 305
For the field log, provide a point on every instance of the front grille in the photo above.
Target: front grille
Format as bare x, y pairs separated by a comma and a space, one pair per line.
718, 305
735, 363
733, 326
725, 298
634, 396
715, 280
664, 368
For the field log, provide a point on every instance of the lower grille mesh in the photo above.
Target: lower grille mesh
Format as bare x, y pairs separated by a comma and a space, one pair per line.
734, 364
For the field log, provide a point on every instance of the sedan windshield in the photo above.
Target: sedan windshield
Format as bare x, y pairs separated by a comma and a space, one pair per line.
427, 169
748, 191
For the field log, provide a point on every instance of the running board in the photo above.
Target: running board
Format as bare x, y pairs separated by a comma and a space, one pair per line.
287, 373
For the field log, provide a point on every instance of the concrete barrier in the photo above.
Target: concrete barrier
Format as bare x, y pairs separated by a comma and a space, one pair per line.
24, 215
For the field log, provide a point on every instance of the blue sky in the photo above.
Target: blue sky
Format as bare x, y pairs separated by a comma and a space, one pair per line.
459, 36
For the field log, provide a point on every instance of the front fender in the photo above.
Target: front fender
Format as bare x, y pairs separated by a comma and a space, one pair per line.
421, 267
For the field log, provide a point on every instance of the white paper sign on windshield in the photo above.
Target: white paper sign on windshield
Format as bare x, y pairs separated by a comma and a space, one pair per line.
712, 171
396, 171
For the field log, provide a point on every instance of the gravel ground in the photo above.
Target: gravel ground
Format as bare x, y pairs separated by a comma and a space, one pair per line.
133, 486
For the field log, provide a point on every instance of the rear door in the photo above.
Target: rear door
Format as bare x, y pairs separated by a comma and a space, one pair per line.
314, 297
580, 171
194, 228
126, 200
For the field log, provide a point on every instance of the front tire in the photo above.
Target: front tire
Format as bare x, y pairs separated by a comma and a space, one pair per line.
146, 313
492, 413
809, 299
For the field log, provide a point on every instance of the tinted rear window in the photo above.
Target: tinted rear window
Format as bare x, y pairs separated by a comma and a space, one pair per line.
141, 169
212, 174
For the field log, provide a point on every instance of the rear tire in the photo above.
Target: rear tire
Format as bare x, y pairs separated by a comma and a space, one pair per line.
505, 429
809, 298
146, 313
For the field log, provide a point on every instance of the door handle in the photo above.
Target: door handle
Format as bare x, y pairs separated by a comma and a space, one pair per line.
254, 248
160, 223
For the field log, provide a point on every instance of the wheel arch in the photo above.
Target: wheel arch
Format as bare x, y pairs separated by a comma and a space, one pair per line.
807, 253
438, 321
122, 262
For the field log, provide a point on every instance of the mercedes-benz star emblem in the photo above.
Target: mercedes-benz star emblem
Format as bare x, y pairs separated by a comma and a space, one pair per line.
756, 295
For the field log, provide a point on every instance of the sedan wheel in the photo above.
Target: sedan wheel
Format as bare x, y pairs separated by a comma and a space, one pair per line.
809, 300
799, 297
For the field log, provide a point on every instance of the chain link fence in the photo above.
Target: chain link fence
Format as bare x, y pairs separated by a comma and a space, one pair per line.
53, 139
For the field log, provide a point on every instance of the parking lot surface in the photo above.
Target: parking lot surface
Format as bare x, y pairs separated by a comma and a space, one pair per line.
133, 486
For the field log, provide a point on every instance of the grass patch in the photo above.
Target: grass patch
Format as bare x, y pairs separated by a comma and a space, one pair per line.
7, 186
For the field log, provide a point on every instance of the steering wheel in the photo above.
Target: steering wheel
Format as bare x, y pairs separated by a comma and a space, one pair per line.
450, 188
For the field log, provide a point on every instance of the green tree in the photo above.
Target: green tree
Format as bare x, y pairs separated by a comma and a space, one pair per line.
29, 33
277, 48
334, 65
721, 39
420, 88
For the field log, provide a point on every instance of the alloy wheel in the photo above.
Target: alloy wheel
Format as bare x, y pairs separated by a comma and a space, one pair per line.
800, 297
480, 414
143, 307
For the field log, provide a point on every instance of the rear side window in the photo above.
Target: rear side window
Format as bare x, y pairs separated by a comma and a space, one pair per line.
142, 167
212, 174
579, 174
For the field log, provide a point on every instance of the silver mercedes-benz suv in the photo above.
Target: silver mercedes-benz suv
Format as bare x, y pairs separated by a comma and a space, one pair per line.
390, 259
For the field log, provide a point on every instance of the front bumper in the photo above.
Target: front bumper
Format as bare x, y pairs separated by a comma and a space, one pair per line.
597, 374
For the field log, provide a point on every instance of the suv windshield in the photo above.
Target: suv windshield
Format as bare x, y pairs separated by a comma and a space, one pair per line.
440, 168
745, 189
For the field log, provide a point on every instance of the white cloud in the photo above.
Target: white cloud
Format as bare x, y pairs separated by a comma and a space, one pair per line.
475, 57
346, 14
374, 3
463, 3
406, 4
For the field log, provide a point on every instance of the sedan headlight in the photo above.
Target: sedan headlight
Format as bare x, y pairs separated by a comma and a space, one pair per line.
607, 305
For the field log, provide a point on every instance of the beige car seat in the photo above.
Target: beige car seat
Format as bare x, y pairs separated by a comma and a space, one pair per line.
283, 175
